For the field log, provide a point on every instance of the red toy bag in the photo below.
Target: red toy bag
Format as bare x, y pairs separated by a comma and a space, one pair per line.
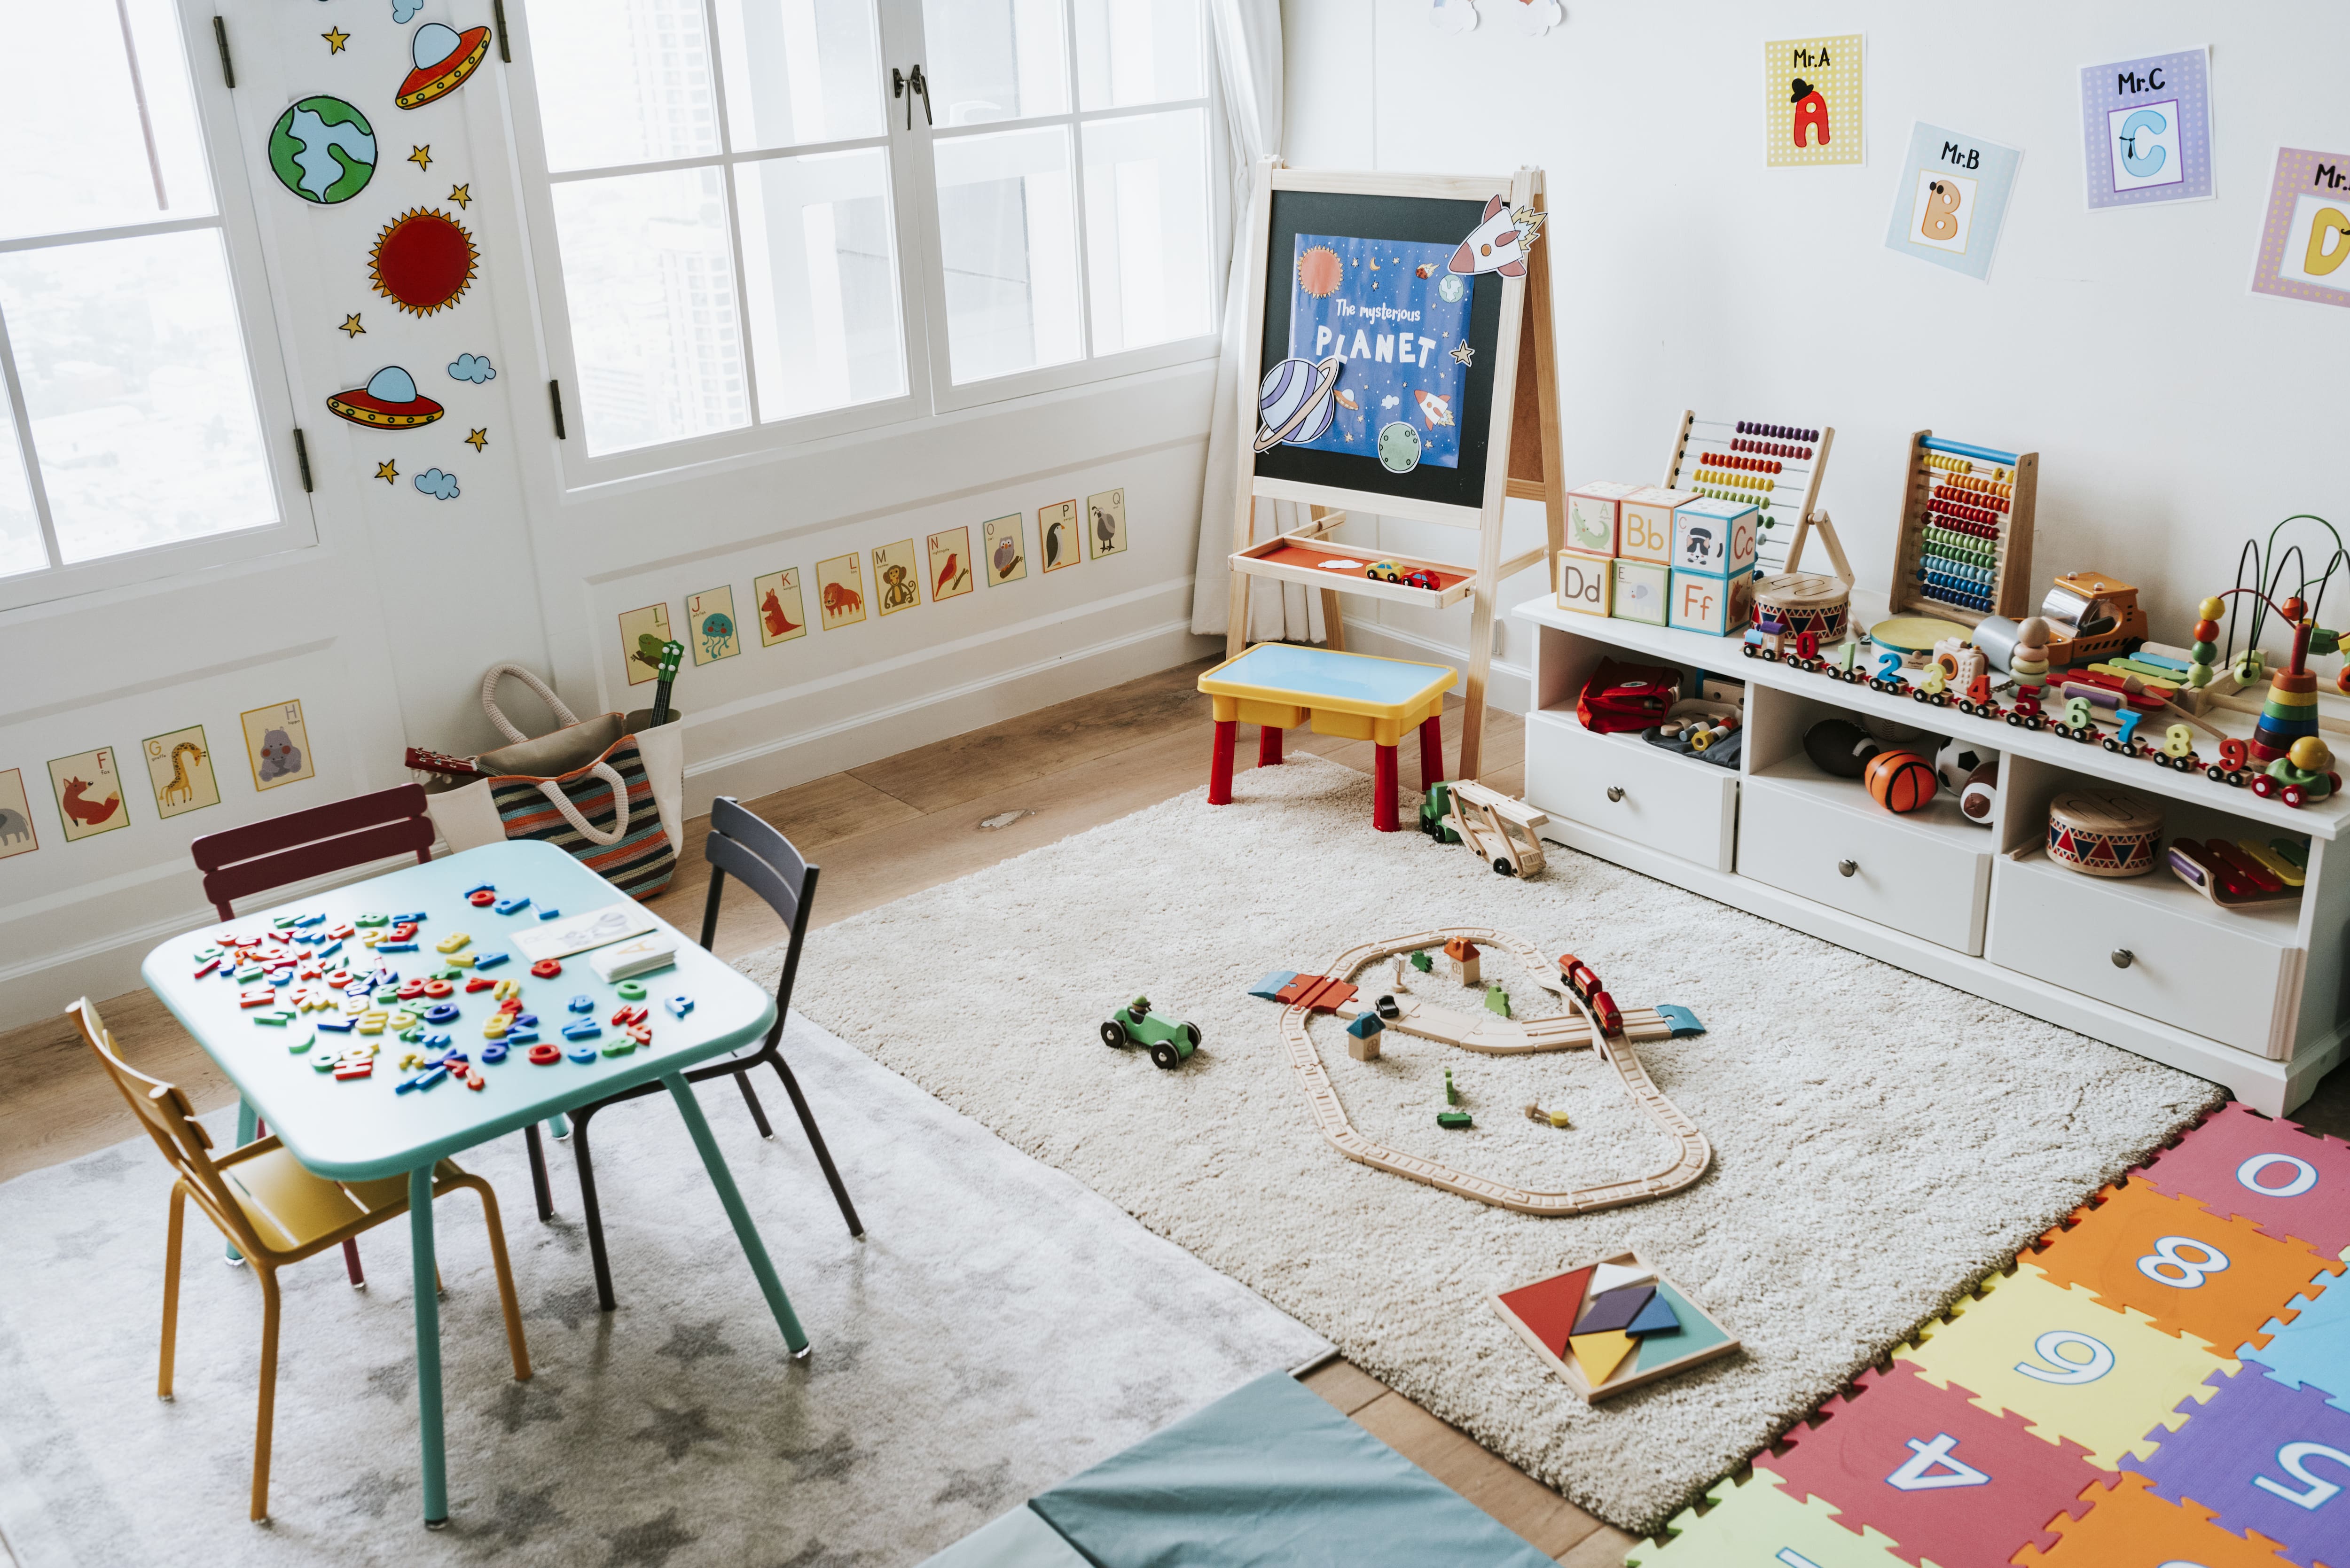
1627, 696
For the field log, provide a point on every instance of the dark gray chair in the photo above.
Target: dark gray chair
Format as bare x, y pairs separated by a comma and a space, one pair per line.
764, 860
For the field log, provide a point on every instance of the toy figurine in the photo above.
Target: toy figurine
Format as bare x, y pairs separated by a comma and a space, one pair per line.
2303, 774
1172, 1041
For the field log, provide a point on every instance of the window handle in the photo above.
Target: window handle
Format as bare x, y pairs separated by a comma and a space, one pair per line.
899, 84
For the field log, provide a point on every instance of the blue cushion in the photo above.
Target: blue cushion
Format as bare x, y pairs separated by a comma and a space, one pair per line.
1270, 1474
1016, 1540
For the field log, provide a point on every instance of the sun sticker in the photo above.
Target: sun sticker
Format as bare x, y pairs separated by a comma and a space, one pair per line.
424, 261
1320, 271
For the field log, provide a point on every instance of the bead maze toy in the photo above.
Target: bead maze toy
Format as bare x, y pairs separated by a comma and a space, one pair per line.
1490, 1033
1965, 548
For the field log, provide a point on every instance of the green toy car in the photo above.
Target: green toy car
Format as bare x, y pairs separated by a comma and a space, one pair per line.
1172, 1041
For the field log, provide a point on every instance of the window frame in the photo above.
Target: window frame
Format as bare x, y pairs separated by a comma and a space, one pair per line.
269, 370
921, 284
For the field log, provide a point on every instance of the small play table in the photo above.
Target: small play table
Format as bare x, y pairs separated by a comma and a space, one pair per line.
1275, 685
364, 1129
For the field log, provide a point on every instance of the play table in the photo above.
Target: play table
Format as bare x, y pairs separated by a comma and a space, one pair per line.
364, 1129
1275, 685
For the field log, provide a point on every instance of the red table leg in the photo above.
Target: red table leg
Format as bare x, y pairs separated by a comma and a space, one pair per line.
1268, 745
1432, 753
1383, 791
1219, 769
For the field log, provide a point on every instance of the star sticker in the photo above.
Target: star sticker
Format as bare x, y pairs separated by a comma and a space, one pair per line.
421, 156
351, 327
1464, 353
463, 195
387, 472
336, 38
478, 440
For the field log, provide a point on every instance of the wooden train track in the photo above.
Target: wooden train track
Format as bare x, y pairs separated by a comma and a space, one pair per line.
1495, 1036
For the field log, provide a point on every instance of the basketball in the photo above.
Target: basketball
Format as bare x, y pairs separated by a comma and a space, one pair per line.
1901, 781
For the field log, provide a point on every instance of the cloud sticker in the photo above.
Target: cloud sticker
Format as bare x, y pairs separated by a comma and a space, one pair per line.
1453, 15
439, 485
404, 10
1389, 401
473, 368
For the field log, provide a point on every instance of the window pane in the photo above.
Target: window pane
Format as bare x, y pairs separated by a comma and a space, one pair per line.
141, 399
80, 154
623, 81
649, 277
20, 530
801, 71
1150, 244
1009, 241
820, 263
1139, 51
994, 59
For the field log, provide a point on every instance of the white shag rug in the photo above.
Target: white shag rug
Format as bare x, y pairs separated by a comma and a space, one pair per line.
1880, 1141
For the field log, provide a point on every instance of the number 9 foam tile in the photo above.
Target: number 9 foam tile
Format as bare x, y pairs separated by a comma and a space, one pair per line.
2132, 1527
1759, 1526
2264, 1458
2293, 1184
2070, 1365
2171, 1258
1940, 1477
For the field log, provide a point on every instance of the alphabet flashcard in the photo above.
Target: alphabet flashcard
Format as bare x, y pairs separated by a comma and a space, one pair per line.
643, 632
949, 568
2147, 127
277, 744
782, 616
1951, 199
16, 834
1105, 522
90, 793
180, 767
1008, 560
2306, 236
1811, 101
711, 618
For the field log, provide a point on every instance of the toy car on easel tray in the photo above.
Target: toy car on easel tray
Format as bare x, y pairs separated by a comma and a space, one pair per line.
1396, 572
1171, 1040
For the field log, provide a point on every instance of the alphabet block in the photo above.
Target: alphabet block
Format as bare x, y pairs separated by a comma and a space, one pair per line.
1716, 537
1586, 583
1644, 530
1641, 590
1592, 512
1719, 605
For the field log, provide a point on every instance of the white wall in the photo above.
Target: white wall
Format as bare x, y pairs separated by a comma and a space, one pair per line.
2176, 414
384, 627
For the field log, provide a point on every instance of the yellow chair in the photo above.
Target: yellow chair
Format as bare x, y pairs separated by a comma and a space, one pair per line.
275, 1212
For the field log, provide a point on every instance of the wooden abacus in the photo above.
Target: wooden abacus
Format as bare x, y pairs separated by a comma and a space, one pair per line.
1775, 467
1966, 532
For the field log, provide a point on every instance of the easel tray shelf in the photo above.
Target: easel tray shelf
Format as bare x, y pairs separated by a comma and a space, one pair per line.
1316, 565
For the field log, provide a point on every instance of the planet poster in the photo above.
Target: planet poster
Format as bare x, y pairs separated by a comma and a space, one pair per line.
1398, 320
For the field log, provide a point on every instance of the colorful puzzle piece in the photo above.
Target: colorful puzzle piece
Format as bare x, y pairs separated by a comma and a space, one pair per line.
2263, 1456
1615, 1310
1598, 1354
1549, 1307
2314, 1348
2132, 1527
1760, 1526
2290, 1183
1941, 1478
2174, 1260
2070, 1365
1656, 1317
1698, 1333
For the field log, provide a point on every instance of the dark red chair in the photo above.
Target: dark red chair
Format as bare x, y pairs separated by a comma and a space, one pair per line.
265, 855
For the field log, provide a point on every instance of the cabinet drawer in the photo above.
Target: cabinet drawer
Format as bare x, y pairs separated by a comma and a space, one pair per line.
1928, 881
2186, 968
1659, 799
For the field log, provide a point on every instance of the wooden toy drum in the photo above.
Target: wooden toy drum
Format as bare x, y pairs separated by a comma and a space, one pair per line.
2103, 833
1798, 602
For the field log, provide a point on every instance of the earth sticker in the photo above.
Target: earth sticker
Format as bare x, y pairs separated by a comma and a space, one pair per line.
323, 149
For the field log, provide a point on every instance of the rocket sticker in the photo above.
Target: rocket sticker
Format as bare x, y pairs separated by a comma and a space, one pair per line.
1500, 241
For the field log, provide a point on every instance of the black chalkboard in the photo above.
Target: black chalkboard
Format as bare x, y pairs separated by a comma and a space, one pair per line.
1424, 219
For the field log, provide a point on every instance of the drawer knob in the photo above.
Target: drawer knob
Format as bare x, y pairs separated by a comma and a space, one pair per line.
1615, 792
2124, 958
1846, 867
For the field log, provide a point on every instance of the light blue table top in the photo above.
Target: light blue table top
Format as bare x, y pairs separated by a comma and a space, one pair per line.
362, 1128
1320, 672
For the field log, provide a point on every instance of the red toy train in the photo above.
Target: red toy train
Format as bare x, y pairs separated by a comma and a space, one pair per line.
1585, 983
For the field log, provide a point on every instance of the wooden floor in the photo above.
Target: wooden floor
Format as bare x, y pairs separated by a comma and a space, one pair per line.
881, 832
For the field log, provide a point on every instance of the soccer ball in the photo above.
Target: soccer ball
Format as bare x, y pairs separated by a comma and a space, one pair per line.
1957, 761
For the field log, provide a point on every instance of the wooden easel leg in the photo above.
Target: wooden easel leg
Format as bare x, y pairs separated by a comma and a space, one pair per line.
1220, 767
1432, 753
1383, 791
1268, 745
1236, 629
1334, 624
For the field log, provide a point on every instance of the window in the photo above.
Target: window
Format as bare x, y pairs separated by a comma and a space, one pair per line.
134, 423
757, 219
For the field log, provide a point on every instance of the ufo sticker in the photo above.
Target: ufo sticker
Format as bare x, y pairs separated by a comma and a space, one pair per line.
1294, 402
390, 401
424, 261
322, 149
444, 58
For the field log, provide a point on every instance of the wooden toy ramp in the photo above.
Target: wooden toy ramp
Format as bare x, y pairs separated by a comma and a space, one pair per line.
1496, 1035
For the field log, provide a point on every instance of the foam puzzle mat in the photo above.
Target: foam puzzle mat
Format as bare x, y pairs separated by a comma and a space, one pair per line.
2162, 1382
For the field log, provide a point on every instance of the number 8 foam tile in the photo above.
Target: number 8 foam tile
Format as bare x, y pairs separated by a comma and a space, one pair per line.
2264, 1458
1759, 1526
2070, 1365
1942, 1479
2313, 1348
2132, 1527
2182, 1265
2292, 1184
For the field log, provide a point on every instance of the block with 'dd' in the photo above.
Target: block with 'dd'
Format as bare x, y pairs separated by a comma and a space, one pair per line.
1586, 583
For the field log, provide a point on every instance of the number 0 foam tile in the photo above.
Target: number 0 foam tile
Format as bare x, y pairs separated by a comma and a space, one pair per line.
1757, 1525
2132, 1527
2265, 1457
2171, 1258
2313, 1349
2072, 1367
2290, 1183
1942, 1479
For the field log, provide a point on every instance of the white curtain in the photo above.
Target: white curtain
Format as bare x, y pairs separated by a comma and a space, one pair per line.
1248, 68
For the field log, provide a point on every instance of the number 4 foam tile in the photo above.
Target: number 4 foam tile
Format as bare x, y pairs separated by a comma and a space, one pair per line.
1759, 1526
2132, 1527
2174, 1260
1943, 1479
2313, 1349
2292, 1184
2267, 1458
2072, 1367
